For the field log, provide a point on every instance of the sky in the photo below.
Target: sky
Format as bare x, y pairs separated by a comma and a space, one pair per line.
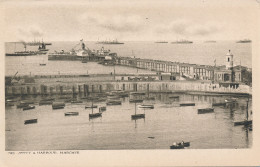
130, 20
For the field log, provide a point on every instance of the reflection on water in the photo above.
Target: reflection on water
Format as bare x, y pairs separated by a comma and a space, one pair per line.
163, 125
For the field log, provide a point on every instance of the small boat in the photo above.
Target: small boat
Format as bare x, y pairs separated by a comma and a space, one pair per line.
114, 103
76, 101
92, 106
22, 105
245, 122
114, 97
27, 102
71, 113
219, 104
176, 146
137, 93
29, 107
151, 137
48, 99
94, 115
146, 106
58, 105
135, 100
43, 102
30, 121
205, 110
101, 109
173, 97
137, 116
187, 104
180, 145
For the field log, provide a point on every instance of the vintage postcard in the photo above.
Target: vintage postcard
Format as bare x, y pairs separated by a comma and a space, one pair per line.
129, 83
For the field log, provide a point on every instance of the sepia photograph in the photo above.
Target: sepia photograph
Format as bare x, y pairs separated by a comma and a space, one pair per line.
128, 75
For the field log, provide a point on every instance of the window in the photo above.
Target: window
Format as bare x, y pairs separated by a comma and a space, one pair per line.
228, 59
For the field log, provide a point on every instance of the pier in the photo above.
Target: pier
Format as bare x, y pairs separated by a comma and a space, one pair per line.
84, 84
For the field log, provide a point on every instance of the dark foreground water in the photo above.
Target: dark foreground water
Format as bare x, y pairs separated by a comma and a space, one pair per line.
167, 123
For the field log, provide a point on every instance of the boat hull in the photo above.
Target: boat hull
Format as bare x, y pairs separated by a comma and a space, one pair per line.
187, 104
138, 116
205, 110
71, 113
95, 115
30, 121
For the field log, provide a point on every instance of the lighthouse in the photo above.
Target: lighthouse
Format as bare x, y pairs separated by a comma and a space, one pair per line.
229, 61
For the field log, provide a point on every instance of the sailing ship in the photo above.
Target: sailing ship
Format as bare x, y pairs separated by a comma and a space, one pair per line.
245, 122
137, 116
94, 115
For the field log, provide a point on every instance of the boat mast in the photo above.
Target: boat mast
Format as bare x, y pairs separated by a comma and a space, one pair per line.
135, 108
92, 106
247, 109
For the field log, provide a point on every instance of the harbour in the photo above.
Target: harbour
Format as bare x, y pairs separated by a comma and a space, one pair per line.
121, 96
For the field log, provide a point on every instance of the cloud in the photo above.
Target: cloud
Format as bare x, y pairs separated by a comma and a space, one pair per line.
121, 23
189, 28
31, 32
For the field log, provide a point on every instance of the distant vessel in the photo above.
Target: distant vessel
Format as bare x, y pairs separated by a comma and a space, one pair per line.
113, 42
244, 41
161, 42
183, 41
41, 51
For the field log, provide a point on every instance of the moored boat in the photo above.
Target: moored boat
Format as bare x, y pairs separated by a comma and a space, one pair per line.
174, 97
22, 105
114, 102
205, 110
245, 122
91, 106
137, 93
138, 116
146, 106
180, 145
58, 105
43, 102
76, 101
71, 113
94, 115
219, 104
30, 121
187, 104
135, 100
29, 107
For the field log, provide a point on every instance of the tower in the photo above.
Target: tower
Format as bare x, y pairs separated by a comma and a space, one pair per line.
229, 60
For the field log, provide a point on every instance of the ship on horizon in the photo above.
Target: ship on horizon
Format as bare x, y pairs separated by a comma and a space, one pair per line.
41, 51
244, 41
161, 42
113, 42
183, 41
